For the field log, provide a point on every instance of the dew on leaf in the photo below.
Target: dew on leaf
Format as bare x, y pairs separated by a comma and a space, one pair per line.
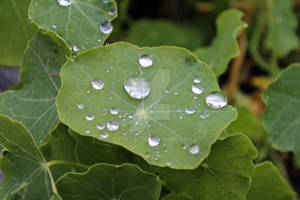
64, 2
90, 117
176, 93
97, 84
145, 61
184, 146
80, 106
169, 163
114, 111
112, 11
104, 135
106, 27
100, 126
204, 115
75, 48
137, 87
194, 149
153, 141
216, 100
197, 88
54, 26
112, 125
197, 79
88, 131
190, 110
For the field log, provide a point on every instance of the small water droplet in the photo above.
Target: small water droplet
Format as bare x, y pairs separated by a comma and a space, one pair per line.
64, 2
176, 93
145, 61
166, 91
204, 115
80, 106
90, 117
100, 126
75, 48
104, 135
130, 116
88, 91
197, 79
114, 111
99, 40
153, 141
169, 163
105, 1
112, 11
29, 19
97, 84
190, 110
137, 87
112, 125
54, 26
216, 100
194, 149
184, 146
106, 27
195, 97
197, 88
88, 131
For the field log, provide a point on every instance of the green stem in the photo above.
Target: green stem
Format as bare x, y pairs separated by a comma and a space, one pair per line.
63, 162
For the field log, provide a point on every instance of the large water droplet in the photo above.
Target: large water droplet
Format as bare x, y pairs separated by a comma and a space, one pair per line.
137, 87
80, 106
64, 2
190, 110
216, 100
112, 125
114, 111
90, 117
197, 79
145, 61
153, 141
104, 135
97, 84
106, 27
194, 149
100, 126
197, 88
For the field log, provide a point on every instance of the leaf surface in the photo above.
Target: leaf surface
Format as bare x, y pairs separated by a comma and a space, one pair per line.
225, 45
176, 197
161, 115
15, 32
108, 182
79, 23
34, 104
281, 117
267, 183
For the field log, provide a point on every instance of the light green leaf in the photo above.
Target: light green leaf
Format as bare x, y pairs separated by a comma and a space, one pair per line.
281, 117
15, 31
225, 45
176, 197
108, 182
34, 104
225, 174
267, 183
79, 23
282, 38
158, 115
162, 32
25, 173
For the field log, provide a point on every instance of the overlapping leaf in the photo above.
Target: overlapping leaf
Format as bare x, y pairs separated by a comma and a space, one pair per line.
34, 104
267, 183
162, 114
281, 117
225, 45
78, 22
176, 197
15, 32
107, 182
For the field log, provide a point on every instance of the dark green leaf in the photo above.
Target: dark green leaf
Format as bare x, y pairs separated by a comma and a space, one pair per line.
176, 197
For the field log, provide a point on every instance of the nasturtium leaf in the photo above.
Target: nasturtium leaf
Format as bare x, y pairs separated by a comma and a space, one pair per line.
161, 32
83, 24
171, 126
176, 197
15, 32
267, 183
281, 117
109, 182
34, 104
26, 175
282, 37
225, 174
225, 45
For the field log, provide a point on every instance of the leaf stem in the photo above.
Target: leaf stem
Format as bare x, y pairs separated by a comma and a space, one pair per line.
63, 162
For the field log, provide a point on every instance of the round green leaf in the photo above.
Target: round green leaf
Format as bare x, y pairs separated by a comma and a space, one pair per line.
78, 23
158, 127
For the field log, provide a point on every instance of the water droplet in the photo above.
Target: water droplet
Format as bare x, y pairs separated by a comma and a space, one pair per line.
130, 116
137, 87
105, 1
190, 110
88, 91
112, 125
197, 80
100, 126
216, 100
104, 135
88, 131
80, 106
166, 91
194, 149
153, 141
64, 2
106, 27
197, 88
114, 111
90, 117
184, 146
175, 93
54, 26
145, 61
75, 48
99, 40
97, 84
204, 115
112, 11
29, 19
169, 163
195, 97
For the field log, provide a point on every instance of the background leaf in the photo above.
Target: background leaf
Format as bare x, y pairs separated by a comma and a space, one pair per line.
225, 45
267, 183
162, 114
176, 197
34, 104
281, 117
15, 32
79, 23
105, 181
